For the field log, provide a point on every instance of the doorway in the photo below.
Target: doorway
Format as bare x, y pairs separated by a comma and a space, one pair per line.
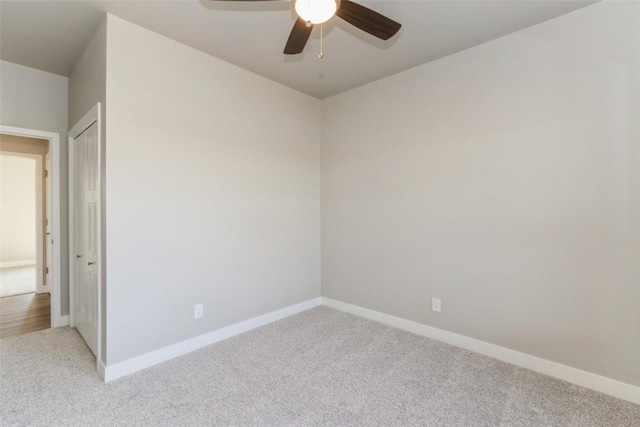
24, 296
30, 265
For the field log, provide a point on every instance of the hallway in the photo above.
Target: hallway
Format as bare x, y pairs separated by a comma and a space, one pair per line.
21, 314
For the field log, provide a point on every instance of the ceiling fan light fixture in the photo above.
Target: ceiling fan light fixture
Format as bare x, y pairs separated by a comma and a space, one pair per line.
316, 11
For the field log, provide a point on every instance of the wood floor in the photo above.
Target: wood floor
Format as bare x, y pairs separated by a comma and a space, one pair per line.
24, 313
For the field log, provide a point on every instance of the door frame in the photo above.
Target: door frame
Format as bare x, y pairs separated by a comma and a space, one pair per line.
93, 116
41, 206
46, 210
57, 319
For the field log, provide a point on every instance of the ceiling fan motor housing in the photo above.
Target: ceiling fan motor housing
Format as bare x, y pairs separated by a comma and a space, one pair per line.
357, 15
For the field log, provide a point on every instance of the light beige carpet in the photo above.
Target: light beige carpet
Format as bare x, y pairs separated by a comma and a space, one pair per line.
321, 367
17, 280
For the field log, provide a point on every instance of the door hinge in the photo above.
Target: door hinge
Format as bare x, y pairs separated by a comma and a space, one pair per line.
45, 173
46, 221
47, 270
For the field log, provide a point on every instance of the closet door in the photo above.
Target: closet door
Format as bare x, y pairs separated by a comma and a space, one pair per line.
85, 236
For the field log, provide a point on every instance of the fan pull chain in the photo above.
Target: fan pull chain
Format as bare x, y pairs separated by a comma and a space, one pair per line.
321, 55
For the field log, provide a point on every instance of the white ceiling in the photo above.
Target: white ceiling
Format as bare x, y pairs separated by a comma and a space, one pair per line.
49, 35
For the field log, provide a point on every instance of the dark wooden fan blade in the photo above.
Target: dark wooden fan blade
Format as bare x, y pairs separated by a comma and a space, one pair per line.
368, 20
298, 37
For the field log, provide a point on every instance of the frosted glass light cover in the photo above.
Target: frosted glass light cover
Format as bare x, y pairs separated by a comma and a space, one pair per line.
316, 11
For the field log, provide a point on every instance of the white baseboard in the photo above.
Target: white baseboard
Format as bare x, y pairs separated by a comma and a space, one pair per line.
576, 376
101, 368
17, 263
61, 321
126, 367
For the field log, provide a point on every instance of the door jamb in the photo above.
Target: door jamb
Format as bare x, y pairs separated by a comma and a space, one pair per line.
93, 116
57, 319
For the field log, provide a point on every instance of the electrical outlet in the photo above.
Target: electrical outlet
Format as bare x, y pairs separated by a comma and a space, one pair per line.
436, 304
198, 311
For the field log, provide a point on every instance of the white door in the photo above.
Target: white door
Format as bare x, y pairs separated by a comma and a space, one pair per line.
85, 226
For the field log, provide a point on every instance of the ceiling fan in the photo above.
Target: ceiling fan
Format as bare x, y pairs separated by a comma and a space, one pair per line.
313, 12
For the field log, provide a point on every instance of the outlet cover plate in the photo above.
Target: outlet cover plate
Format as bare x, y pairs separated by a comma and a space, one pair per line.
198, 311
436, 304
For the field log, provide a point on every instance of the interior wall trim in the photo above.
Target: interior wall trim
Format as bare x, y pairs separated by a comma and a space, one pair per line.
64, 321
21, 263
55, 183
570, 374
138, 363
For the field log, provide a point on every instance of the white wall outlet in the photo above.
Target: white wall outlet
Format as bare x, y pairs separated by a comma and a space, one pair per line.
198, 311
436, 304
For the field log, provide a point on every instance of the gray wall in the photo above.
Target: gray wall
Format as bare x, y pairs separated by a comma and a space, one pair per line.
35, 99
88, 79
505, 180
213, 193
